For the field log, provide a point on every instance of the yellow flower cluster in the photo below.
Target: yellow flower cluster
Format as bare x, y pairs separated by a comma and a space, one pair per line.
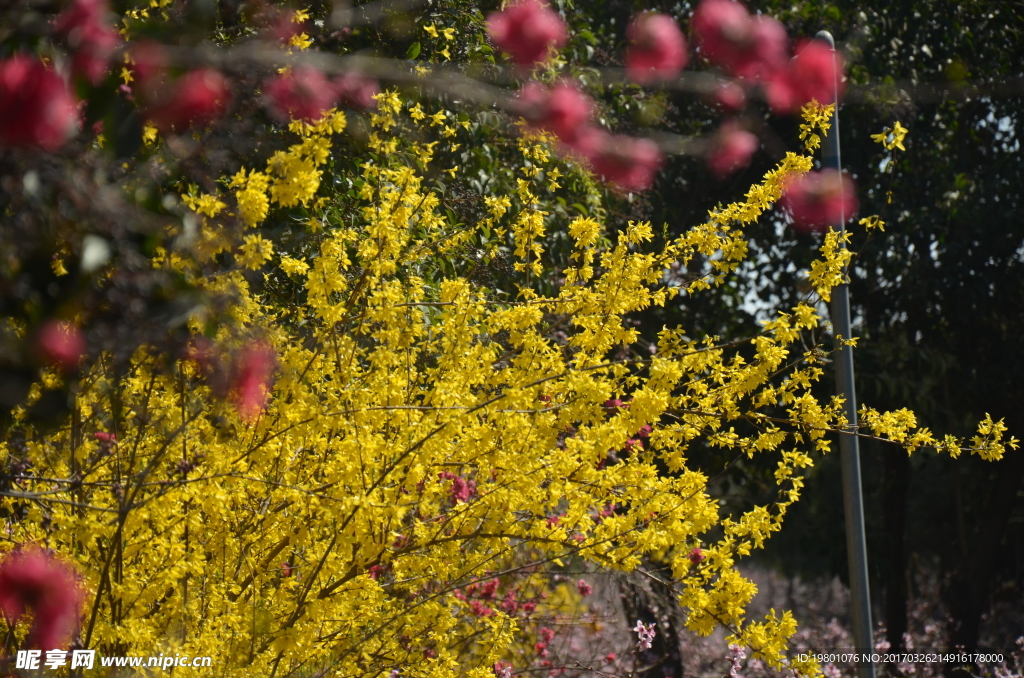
426, 435
892, 137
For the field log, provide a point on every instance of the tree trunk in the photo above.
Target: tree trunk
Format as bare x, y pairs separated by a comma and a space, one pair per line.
894, 509
968, 593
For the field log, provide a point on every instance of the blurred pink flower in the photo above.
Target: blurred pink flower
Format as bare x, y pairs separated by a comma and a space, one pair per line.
462, 489
562, 110
745, 46
817, 200
196, 98
718, 26
765, 51
816, 73
479, 609
32, 578
61, 343
696, 556
303, 93
657, 48
733, 147
149, 62
628, 162
584, 587
36, 106
527, 30
730, 96
87, 26
252, 378
356, 91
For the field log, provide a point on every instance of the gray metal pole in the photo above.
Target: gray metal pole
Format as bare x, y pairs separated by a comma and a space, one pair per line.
849, 448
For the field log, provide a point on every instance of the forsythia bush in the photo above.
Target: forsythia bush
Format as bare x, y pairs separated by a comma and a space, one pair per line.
421, 439
359, 467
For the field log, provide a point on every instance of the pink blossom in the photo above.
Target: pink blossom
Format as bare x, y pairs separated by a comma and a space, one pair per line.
657, 48
817, 200
732, 150
104, 437
584, 587
87, 27
252, 377
32, 578
766, 51
462, 489
749, 47
610, 657
562, 110
541, 649
627, 162
479, 609
645, 635
527, 30
61, 343
719, 26
356, 91
546, 634
816, 73
303, 93
196, 98
36, 106
509, 603
736, 656
487, 592
149, 62
730, 96
201, 351
696, 556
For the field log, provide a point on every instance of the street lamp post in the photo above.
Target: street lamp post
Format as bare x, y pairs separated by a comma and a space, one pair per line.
849, 448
